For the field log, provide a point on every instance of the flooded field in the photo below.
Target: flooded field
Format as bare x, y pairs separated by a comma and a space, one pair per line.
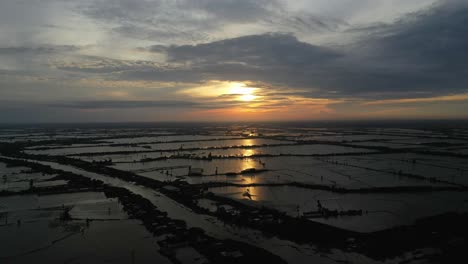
33, 229
231, 190
380, 211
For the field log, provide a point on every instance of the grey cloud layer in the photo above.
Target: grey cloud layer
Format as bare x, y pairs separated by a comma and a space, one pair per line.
420, 55
257, 51
35, 50
192, 21
106, 104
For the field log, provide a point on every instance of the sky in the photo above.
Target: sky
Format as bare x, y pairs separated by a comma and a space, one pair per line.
232, 60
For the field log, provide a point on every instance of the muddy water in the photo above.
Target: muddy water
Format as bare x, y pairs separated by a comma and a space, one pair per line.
289, 251
384, 210
32, 231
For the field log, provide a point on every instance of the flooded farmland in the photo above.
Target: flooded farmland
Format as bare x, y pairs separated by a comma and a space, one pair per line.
233, 193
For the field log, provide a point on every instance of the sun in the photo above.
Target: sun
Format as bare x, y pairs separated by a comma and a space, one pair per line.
247, 97
244, 92
238, 91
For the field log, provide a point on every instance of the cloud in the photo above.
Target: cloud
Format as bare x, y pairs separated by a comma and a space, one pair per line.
109, 104
269, 58
103, 65
39, 49
445, 98
185, 20
419, 58
241, 11
198, 21
257, 50
421, 55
